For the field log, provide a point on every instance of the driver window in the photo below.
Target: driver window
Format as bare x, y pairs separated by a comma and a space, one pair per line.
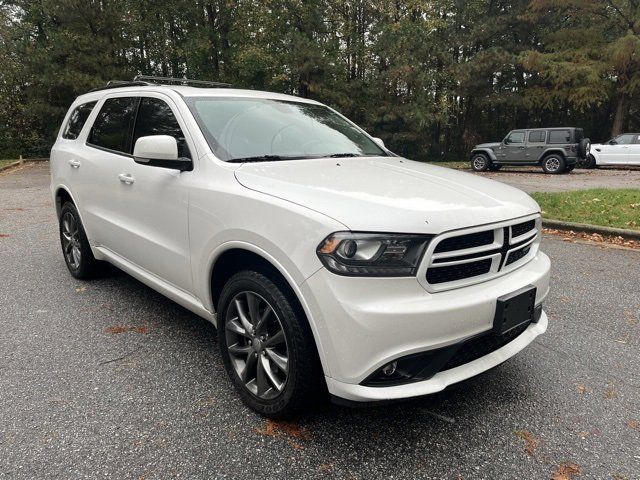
625, 139
515, 137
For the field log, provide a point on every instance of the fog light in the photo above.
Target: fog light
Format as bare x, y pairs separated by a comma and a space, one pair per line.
390, 368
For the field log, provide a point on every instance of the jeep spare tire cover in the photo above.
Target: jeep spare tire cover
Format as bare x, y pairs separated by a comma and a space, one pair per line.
584, 147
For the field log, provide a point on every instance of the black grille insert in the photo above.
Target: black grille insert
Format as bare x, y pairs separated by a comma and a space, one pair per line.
462, 242
452, 273
522, 228
517, 255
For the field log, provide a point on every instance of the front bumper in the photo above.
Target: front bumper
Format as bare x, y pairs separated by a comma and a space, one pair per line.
364, 323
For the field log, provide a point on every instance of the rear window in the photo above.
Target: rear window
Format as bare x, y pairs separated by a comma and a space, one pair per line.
114, 123
559, 136
77, 119
537, 137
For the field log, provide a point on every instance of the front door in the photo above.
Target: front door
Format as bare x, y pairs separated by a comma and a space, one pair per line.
513, 148
154, 202
616, 151
634, 152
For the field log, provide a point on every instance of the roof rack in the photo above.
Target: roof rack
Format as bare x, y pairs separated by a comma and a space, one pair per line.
146, 80
121, 83
178, 81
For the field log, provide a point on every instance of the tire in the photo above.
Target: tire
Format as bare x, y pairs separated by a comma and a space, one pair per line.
480, 162
590, 162
75, 245
553, 164
584, 147
494, 167
293, 377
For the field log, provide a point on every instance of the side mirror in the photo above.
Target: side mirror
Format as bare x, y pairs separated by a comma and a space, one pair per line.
160, 151
612, 142
379, 142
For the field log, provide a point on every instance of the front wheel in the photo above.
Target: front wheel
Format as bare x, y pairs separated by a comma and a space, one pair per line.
553, 164
266, 345
480, 162
75, 245
590, 162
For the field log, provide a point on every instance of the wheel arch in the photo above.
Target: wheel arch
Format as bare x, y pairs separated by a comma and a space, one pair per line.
487, 151
62, 195
236, 256
552, 151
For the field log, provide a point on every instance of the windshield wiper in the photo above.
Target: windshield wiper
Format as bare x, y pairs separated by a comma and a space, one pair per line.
260, 158
344, 155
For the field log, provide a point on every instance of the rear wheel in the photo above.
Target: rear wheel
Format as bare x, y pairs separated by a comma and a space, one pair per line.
553, 164
75, 245
266, 345
480, 162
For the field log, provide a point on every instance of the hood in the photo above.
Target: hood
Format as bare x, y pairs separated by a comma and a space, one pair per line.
488, 145
388, 194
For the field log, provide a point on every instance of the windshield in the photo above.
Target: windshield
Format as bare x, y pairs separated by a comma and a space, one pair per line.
245, 129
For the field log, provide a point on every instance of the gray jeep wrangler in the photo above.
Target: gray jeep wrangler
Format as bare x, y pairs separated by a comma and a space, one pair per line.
556, 150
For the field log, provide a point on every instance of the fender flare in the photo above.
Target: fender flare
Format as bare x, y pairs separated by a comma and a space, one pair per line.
558, 151
487, 151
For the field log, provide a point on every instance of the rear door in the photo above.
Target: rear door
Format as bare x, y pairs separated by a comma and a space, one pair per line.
536, 143
105, 154
514, 147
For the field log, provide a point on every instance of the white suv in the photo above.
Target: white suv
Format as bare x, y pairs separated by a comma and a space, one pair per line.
326, 261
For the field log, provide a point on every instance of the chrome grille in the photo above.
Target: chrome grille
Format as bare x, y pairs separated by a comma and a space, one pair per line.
464, 257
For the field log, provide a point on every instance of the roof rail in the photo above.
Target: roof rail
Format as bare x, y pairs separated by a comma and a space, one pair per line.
120, 83
178, 81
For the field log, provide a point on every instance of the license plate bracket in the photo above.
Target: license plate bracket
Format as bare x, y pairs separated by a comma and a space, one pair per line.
514, 309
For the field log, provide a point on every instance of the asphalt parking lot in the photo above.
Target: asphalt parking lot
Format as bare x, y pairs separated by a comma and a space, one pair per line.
108, 379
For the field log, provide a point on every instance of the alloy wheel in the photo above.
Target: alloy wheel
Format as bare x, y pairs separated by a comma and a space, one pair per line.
257, 345
479, 162
71, 241
553, 164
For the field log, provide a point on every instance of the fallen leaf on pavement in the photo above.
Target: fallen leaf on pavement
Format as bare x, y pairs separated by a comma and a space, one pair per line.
530, 442
274, 428
581, 389
570, 235
123, 329
81, 289
4, 235
634, 424
566, 471
611, 393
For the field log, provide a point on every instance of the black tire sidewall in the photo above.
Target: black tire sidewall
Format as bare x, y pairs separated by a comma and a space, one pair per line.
88, 263
302, 370
484, 158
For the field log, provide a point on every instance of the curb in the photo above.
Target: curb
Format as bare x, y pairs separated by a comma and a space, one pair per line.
582, 227
11, 165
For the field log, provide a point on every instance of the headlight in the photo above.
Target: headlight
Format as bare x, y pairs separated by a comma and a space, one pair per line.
372, 254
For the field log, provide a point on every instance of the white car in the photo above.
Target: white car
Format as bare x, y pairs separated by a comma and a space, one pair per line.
621, 150
326, 262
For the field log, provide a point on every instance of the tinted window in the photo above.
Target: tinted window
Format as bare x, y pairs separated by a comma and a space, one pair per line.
156, 118
516, 137
113, 125
537, 137
77, 120
559, 136
624, 139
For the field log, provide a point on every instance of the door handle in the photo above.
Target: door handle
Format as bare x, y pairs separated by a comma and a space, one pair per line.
126, 178
74, 163
521, 148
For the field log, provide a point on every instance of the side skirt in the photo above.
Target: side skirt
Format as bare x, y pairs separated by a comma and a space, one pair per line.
170, 291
